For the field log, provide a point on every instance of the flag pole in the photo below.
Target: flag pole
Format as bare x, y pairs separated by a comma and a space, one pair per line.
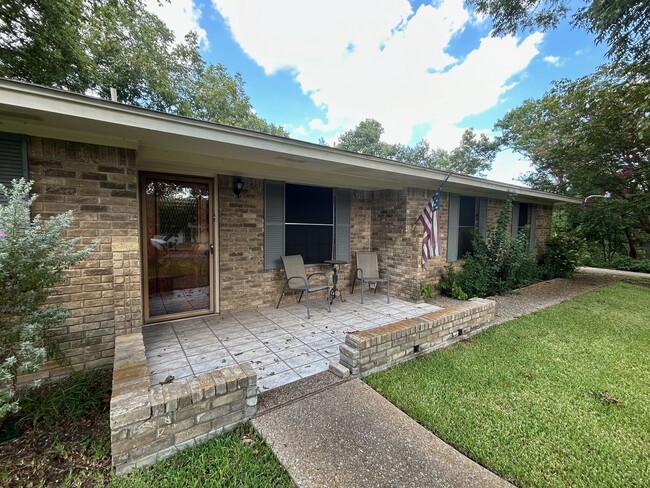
439, 188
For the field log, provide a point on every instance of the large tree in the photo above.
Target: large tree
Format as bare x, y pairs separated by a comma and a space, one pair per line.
590, 136
473, 156
94, 45
623, 25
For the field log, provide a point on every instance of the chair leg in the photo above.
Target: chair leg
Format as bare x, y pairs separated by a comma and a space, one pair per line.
300, 297
388, 290
281, 295
363, 285
354, 280
307, 302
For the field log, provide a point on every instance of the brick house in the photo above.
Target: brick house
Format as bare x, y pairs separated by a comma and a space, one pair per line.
181, 204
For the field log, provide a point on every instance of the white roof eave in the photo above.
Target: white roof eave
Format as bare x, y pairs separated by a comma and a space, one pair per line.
40, 111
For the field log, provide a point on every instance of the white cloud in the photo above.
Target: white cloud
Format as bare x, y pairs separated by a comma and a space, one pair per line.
381, 60
507, 167
181, 16
553, 60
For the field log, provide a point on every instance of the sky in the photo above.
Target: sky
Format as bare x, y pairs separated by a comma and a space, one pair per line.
423, 69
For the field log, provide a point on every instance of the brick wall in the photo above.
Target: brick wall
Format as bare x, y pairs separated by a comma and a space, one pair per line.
151, 422
543, 227
243, 281
99, 184
381, 347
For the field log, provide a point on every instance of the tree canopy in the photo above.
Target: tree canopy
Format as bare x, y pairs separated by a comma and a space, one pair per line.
623, 25
91, 46
473, 156
590, 136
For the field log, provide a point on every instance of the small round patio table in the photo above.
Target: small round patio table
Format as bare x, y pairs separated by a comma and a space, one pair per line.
335, 291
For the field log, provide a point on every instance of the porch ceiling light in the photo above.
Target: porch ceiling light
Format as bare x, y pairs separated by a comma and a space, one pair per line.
237, 187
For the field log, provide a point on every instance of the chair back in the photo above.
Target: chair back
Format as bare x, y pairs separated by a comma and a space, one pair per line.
294, 266
367, 261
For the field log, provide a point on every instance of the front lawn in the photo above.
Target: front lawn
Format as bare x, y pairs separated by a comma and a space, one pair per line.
557, 398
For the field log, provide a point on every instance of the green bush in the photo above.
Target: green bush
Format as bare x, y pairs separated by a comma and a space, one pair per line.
427, 290
561, 257
626, 263
451, 286
497, 264
34, 254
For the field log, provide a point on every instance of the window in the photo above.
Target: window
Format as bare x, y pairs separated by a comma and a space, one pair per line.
467, 220
524, 214
467, 215
13, 159
311, 221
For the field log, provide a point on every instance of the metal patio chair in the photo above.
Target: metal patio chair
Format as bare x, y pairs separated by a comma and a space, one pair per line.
368, 272
296, 279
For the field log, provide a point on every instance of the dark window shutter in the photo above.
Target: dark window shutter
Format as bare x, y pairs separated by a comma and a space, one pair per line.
515, 220
343, 211
452, 234
13, 160
482, 217
273, 224
532, 229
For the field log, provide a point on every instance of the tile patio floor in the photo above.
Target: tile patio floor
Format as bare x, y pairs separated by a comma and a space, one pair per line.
282, 345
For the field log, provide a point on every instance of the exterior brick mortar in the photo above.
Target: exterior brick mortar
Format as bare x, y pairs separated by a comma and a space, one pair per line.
381, 347
151, 422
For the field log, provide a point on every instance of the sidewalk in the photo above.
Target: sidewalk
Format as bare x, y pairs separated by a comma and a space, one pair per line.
350, 436
614, 272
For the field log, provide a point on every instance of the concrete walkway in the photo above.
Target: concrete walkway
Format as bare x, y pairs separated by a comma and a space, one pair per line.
350, 436
614, 272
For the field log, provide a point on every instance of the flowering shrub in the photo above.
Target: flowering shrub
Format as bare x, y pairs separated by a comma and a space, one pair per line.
33, 257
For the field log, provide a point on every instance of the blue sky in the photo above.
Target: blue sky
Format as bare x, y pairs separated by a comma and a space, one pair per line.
423, 69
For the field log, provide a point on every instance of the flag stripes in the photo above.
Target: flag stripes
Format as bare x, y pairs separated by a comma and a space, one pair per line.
430, 218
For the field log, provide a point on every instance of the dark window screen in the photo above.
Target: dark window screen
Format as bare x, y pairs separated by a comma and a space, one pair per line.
467, 217
309, 205
309, 222
313, 242
523, 215
466, 225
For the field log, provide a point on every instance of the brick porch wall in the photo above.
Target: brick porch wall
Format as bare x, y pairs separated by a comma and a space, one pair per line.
99, 184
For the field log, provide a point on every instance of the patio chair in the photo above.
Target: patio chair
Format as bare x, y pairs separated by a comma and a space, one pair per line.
296, 279
368, 272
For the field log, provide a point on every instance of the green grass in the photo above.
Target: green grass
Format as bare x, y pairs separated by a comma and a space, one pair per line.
556, 398
236, 458
82, 392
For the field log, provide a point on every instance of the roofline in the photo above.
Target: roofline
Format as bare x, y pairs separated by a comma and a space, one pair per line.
108, 111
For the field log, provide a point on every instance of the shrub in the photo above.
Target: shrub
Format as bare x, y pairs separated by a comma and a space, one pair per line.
33, 258
450, 285
626, 263
497, 265
427, 290
561, 257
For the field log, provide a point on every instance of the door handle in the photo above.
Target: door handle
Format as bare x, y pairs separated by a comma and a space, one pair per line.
211, 248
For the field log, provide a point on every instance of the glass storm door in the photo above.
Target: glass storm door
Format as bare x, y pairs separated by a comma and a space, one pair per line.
178, 248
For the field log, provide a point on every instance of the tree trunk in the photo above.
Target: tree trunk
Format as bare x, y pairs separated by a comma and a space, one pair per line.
631, 239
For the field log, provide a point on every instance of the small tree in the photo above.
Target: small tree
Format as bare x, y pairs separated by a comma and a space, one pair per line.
34, 254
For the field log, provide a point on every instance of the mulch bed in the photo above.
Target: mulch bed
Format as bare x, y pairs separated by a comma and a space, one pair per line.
73, 453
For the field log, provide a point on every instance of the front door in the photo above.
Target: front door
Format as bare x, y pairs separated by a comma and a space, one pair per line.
178, 248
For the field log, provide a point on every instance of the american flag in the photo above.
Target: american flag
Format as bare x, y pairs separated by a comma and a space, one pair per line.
430, 218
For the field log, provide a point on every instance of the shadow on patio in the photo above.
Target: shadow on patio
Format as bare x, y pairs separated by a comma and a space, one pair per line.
280, 344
